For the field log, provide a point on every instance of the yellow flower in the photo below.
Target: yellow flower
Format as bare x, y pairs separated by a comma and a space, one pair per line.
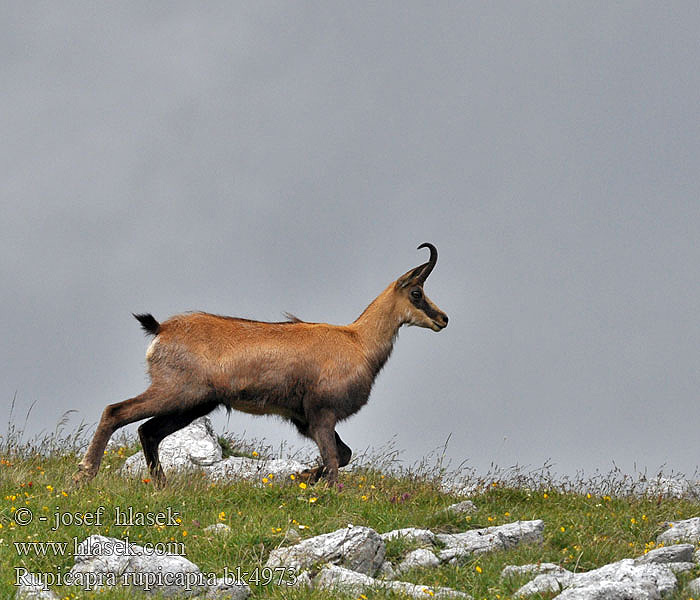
545, 495
222, 516
292, 477
363, 498
562, 529
50, 488
265, 479
302, 485
184, 533
254, 453
313, 499
478, 569
633, 520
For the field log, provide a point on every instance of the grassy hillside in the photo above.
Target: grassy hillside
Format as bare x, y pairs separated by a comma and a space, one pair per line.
584, 528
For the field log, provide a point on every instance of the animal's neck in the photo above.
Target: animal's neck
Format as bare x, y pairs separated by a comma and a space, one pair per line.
377, 328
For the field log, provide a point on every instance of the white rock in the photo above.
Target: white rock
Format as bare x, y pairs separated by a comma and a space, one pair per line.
226, 589
613, 590
303, 580
111, 559
534, 569
546, 583
681, 567
236, 468
622, 571
681, 531
410, 534
693, 586
191, 447
478, 541
421, 558
676, 553
33, 587
344, 580
461, 508
217, 529
671, 487
386, 571
357, 548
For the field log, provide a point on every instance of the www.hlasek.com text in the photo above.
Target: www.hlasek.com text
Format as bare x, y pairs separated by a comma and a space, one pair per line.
96, 546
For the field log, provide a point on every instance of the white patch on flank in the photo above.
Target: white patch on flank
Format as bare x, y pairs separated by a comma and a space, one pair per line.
151, 348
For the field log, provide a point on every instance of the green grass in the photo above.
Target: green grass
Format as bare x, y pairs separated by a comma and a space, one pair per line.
584, 528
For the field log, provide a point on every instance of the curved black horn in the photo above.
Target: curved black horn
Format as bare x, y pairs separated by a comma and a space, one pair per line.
430, 265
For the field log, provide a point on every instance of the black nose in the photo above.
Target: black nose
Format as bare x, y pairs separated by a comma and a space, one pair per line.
445, 319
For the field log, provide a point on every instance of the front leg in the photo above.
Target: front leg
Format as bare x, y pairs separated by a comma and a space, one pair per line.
322, 430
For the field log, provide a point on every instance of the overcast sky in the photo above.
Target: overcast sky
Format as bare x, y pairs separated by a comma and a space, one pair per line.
254, 158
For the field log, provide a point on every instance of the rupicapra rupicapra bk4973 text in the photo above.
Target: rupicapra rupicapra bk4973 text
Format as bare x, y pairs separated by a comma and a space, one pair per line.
313, 374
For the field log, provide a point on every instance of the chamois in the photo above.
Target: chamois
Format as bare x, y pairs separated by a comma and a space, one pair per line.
313, 374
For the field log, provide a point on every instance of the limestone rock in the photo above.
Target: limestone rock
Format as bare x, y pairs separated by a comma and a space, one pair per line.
624, 571
681, 567
677, 553
478, 541
191, 447
343, 580
693, 586
386, 571
225, 589
33, 587
410, 534
422, 558
534, 569
235, 468
114, 560
217, 529
613, 590
357, 548
687, 530
461, 508
672, 487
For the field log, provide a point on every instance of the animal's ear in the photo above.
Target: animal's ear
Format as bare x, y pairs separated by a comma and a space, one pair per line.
419, 274
409, 278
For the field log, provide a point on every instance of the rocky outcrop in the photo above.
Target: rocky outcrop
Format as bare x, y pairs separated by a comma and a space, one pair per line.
338, 579
107, 562
31, 586
196, 447
236, 468
648, 576
359, 549
192, 447
478, 541
420, 558
410, 534
687, 530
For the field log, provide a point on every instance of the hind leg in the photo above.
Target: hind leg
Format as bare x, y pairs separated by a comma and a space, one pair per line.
152, 432
113, 417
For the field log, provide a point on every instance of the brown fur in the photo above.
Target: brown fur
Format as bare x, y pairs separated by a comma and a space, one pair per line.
313, 374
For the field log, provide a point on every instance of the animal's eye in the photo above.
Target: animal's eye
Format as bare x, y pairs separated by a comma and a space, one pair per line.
416, 294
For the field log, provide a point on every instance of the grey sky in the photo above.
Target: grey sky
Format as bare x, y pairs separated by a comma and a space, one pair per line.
252, 158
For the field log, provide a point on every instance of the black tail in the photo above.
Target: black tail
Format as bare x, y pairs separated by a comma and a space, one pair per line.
148, 324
